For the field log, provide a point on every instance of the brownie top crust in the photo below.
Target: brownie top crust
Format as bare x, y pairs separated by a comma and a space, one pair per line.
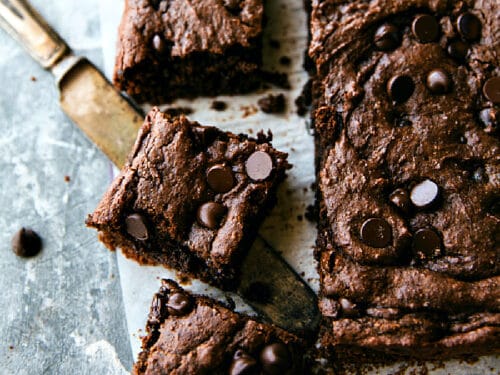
187, 26
408, 157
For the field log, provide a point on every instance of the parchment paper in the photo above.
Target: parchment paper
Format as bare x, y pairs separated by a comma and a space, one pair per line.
286, 229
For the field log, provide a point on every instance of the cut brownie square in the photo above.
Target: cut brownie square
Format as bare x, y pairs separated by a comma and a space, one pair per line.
190, 197
189, 334
178, 48
409, 174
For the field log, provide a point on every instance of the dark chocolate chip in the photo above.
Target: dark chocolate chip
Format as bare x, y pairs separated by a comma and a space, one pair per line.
259, 166
158, 310
401, 199
136, 227
158, 43
219, 105
424, 194
491, 90
400, 88
469, 26
179, 304
210, 214
243, 364
387, 37
458, 50
348, 308
220, 178
26, 243
376, 232
275, 359
438, 81
426, 244
490, 117
425, 28
233, 6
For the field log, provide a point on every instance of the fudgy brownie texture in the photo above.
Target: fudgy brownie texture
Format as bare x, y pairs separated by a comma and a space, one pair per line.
406, 120
189, 334
177, 48
190, 197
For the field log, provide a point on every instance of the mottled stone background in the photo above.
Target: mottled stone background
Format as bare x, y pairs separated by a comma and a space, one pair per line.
61, 312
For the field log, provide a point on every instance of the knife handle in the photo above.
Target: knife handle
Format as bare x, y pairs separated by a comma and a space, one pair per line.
28, 27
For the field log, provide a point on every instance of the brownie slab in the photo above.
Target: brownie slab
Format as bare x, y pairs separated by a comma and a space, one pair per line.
179, 48
408, 161
189, 334
190, 197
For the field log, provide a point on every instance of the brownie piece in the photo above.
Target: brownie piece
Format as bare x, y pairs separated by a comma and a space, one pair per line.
190, 197
188, 334
406, 119
169, 49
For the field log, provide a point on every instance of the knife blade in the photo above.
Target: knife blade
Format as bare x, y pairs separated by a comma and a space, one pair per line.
111, 121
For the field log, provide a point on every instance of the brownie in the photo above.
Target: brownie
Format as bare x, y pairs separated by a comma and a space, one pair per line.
190, 197
407, 149
188, 334
169, 49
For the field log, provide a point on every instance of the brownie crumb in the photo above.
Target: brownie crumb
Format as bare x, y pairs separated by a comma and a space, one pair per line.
300, 217
285, 60
219, 105
272, 103
311, 213
67, 179
11, 347
274, 44
26, 243
33, 79
177, 111
304, 101
277, 79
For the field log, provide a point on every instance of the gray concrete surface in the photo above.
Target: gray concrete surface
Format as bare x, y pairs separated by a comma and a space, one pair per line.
61, 312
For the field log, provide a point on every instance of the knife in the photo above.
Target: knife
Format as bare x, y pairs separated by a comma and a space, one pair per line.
111, 121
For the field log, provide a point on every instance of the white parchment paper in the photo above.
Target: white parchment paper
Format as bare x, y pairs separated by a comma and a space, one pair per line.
286, 229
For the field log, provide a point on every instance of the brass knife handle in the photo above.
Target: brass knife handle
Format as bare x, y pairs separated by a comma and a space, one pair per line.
26, 25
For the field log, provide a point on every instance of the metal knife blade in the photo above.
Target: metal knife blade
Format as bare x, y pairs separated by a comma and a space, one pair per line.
111, 121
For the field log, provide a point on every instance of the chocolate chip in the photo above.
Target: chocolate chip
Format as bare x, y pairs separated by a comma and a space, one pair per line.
219, 105
425, 28
490, 117
179, 304
424, 194
232, 5
491, 90
376, 232
136, 227
243, 364
26, 243
387, 37
401, 199
426, 244
259, 166
400, 88
220, 178
272, 103
275, 359
158, 310
469, 26
458, 50
348, 308
158, 43
438, 81
210, 214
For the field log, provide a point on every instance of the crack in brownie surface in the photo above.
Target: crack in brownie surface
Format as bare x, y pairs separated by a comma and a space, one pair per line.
409, 176
190, 197
178, 48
